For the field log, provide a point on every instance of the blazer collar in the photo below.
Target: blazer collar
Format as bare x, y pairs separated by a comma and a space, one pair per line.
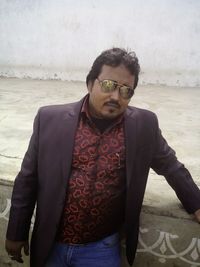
69, 126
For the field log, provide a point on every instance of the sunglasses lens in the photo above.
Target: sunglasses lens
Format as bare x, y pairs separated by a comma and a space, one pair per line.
126, 92
108, 86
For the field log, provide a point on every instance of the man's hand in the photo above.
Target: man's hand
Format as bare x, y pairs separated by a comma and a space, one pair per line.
197, 215
14, 249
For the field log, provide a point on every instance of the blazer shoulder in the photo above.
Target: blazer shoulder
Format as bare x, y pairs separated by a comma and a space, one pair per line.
58, 108
144, 121
140, 113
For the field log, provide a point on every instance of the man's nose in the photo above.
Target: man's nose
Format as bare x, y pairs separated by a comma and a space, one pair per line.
115, 94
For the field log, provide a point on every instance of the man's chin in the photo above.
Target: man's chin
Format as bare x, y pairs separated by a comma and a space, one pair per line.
110, 115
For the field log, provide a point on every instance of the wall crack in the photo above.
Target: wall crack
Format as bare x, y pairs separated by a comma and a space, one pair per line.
9, 157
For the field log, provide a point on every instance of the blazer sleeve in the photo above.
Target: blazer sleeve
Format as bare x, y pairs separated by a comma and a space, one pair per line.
24, 191
165, 163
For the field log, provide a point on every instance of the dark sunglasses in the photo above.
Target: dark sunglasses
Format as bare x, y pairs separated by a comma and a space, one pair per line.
109, 86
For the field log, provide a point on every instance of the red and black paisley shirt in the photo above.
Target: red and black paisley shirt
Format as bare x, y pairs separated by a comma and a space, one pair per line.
95, 198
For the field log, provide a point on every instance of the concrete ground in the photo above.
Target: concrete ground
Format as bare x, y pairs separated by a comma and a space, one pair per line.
178, 110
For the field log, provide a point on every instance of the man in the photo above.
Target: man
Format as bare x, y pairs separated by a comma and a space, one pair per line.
86, 170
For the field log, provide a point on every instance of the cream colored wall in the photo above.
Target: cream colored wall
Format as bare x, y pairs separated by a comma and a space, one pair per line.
60, 39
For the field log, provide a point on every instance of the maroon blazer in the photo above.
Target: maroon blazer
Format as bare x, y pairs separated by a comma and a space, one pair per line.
45, 171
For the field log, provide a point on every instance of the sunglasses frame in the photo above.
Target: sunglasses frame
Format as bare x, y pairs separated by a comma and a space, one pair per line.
116, 85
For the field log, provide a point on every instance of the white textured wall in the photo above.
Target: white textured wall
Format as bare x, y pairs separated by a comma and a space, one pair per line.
60, 39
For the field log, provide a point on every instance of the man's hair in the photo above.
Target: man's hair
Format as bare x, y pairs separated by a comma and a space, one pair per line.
115, 57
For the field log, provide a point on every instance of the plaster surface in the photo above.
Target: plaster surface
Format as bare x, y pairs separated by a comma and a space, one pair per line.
50, 39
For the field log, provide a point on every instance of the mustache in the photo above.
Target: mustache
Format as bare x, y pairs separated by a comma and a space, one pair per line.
112, 103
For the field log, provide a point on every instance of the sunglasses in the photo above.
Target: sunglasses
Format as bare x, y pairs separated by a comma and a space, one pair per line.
109, 86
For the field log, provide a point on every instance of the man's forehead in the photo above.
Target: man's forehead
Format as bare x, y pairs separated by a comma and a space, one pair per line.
115, 72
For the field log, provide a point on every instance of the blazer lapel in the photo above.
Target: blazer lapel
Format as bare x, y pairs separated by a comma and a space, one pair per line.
130, 141
69, 126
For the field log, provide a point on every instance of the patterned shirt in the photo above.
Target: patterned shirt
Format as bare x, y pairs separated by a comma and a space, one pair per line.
95, 199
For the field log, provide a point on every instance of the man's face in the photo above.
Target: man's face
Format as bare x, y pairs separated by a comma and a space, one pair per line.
109, 105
